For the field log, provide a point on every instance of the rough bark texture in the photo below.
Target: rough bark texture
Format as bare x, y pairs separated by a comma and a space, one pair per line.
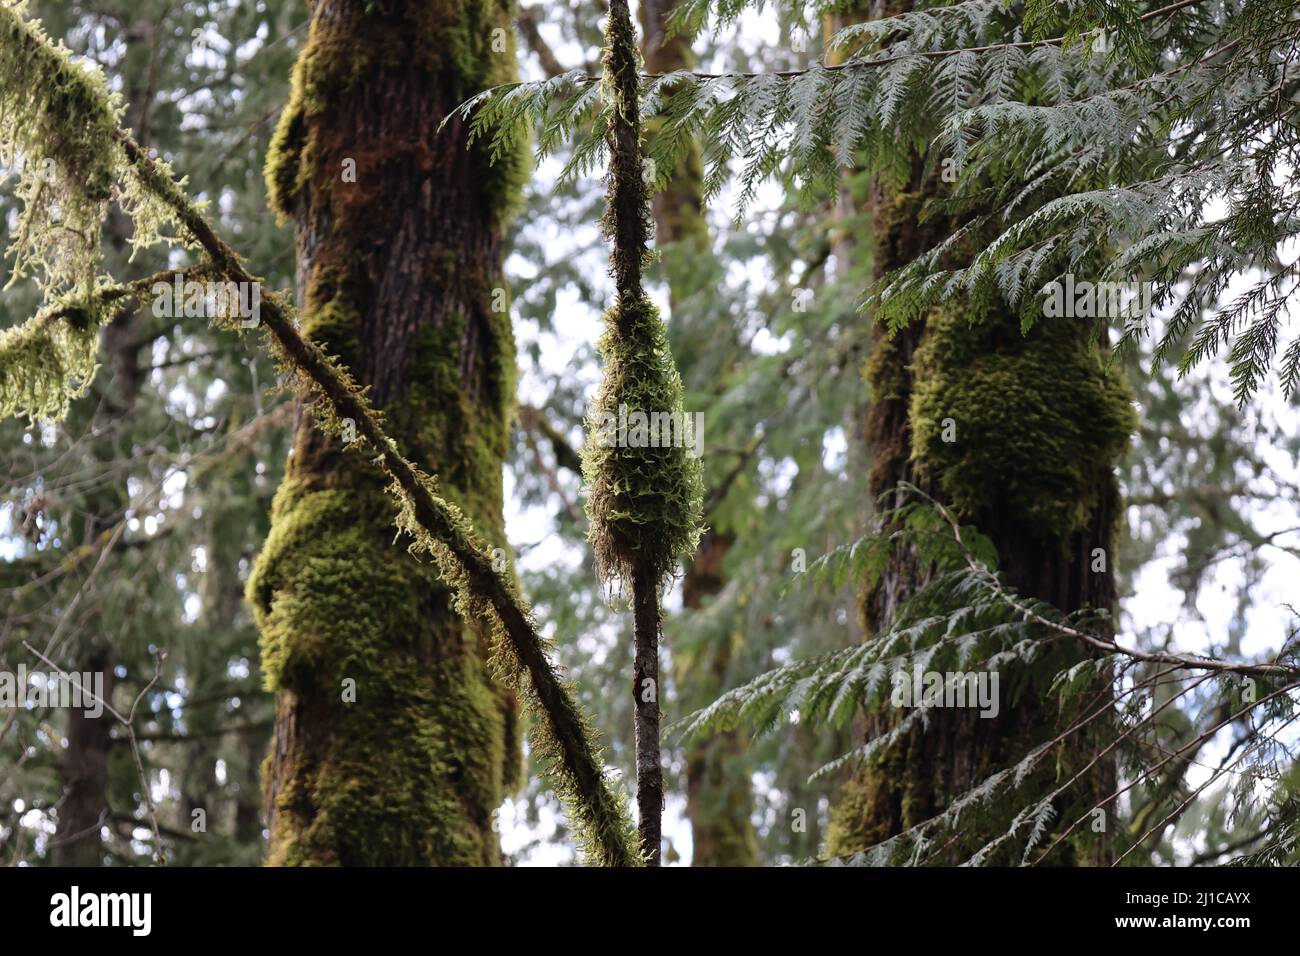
649, 759
393, 744
1045, 511
719, 793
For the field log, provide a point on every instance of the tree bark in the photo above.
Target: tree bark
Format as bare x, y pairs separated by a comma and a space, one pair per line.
649, 760
83, 812
393, 743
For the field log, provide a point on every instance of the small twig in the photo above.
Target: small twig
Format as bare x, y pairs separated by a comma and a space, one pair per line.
127, 722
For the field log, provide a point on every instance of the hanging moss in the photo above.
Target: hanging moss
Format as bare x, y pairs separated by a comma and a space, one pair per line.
149, 193
1038, 420
57, 121
59, 130
47, 362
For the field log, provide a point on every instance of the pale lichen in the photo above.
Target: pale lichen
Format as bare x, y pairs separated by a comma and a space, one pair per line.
59, 135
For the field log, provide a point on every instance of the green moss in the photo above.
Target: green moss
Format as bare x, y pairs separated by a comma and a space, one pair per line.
58, 123
47, 362
408, 773
1038, 420
393, 38
411, 772
284, 156
59, 131
335, 599
645, 503
861, 817
469, 436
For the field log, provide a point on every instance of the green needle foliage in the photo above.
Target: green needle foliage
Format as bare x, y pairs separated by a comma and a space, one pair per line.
1045, 114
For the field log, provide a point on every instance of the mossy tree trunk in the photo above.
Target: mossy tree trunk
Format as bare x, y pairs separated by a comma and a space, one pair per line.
393, 743
719, 793
1039, 426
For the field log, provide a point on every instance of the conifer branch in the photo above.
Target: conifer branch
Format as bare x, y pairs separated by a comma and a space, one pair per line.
1109, 646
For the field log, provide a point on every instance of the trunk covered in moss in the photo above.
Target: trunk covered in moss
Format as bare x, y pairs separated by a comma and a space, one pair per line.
719, 793
1040, 425
393, 744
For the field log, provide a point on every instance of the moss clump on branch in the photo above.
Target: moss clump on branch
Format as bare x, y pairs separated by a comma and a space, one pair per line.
645, 502
645, 498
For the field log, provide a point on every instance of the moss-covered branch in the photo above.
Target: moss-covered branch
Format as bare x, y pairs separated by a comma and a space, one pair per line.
646, 497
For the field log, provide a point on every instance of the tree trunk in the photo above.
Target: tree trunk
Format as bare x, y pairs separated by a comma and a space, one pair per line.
393, 744
1039, 427
84, 812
